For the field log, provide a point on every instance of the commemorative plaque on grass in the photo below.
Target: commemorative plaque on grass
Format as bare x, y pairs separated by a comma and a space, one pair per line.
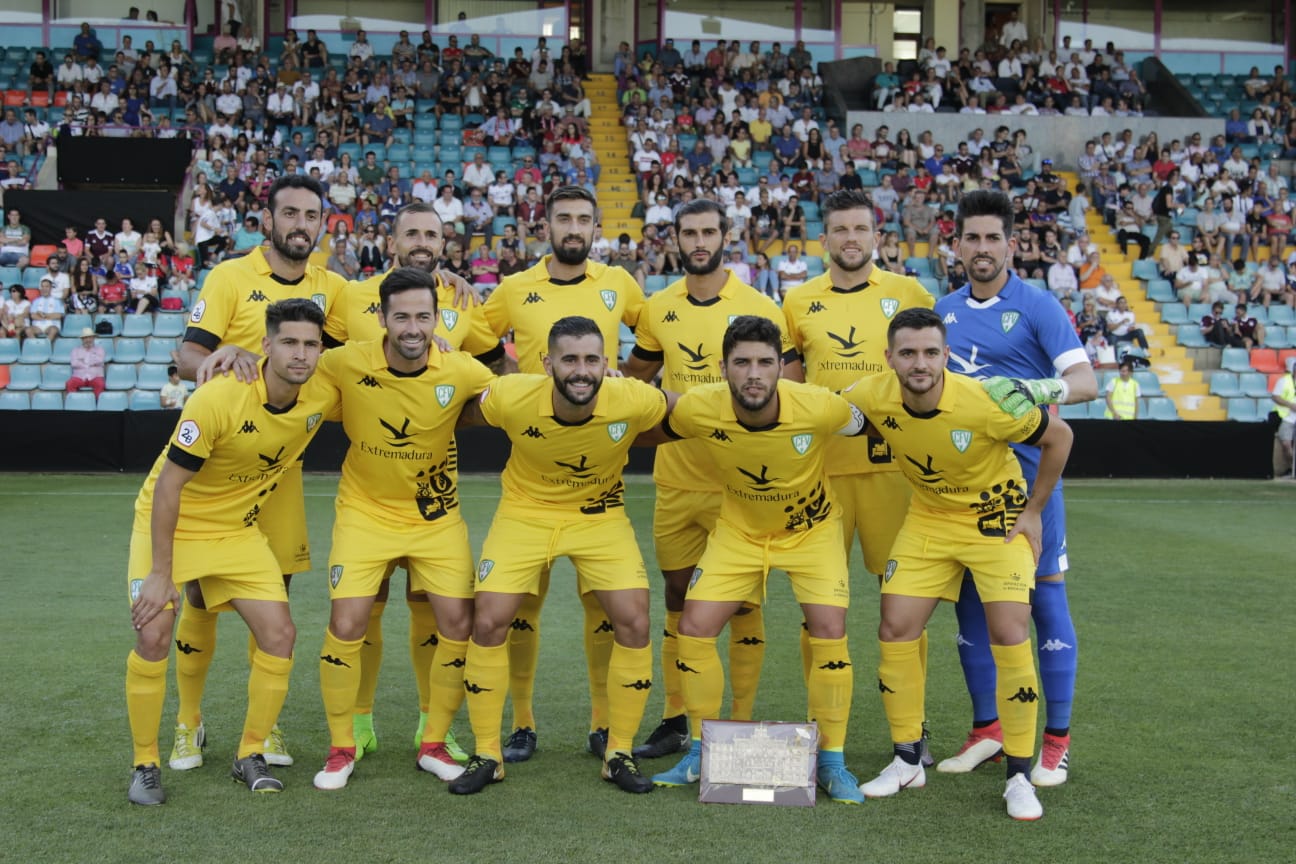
758, 763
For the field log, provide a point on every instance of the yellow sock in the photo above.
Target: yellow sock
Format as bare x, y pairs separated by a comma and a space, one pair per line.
370, 660
267, 689
145, 693
599, 640
903, 686
832, 683
446, 688
629, 681
805, 656
922, 652
1017, 694
422, 644
195, 644
340, 674
746, 656
702, 678
486, 680
523, 652
670, 675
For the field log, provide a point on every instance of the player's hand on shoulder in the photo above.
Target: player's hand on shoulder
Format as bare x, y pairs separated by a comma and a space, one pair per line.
227, 359
465, 296
442, 345
1010, 394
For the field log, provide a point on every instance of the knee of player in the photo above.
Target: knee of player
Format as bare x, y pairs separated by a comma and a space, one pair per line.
897, 631
277, 639
456, 622
348, 626
633, 632
153, 640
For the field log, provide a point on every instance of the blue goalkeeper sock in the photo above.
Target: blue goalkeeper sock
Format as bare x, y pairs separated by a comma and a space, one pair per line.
1056, 637
974, 653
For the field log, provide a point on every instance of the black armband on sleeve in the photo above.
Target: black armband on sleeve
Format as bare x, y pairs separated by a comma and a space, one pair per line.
332, 341
486, 358
184, 459
202, 337
1039, 431
670, 433
791, 355
646, 355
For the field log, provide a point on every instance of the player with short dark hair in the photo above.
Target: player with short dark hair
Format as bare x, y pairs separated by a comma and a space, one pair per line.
563, 283
401, 397
563, 495
1020, 340
226, 327
767, 439
971, 509
196, 528
678, 325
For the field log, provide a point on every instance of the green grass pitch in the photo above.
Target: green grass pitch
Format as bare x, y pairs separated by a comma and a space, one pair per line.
1182, 591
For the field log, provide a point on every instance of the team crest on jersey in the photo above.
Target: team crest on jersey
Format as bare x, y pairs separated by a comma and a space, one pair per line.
801, 443
961, 438
335, 575
444, 393
697, 574
733, 318
616, 431
135, 586
889, 571
320, 300
312, 421
609, 298
1008, 320
199, 308
449, 317
484, 569
890, 306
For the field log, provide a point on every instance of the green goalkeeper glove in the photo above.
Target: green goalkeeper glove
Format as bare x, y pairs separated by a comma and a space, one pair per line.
1017, 396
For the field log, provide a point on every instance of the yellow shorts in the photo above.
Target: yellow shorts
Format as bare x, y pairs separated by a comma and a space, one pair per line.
931, 554
518, 552
366, 549
283, 522
682, 521
735, 565
873, 506
226, 568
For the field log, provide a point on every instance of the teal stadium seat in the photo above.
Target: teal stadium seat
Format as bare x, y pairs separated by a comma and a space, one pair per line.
113, 400
1162, 408
1161, 291
1175, 313
81, 401
143, 400
138, 326
159, 350
48, 401
128, 350
9, 351
119, 377
170, 325
11, 400
1235, 360
1224, 384
1190, 336
54, 376
1242, 409
35, 352
151, 376
1254, 385
23, 378
1149, 384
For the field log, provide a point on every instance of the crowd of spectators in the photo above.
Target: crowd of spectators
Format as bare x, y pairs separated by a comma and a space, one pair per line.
1013, 74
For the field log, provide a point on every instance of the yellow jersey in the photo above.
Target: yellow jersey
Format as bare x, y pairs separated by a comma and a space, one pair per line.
530, 302
842, 334
355, 319
686, 335
238, 445
561, 471
231, 306
957, 457
402, 465
773, 478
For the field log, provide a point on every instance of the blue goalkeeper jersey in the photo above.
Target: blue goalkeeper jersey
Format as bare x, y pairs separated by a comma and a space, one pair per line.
1022, 332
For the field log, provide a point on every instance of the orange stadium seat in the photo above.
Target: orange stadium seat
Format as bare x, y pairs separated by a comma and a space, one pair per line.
40, 99
41, 254
4, 377
344, 218
61, 98
1265, 360
15, 98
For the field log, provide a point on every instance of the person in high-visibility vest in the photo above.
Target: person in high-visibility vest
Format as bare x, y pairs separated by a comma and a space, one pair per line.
1284, 397
1123, 394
